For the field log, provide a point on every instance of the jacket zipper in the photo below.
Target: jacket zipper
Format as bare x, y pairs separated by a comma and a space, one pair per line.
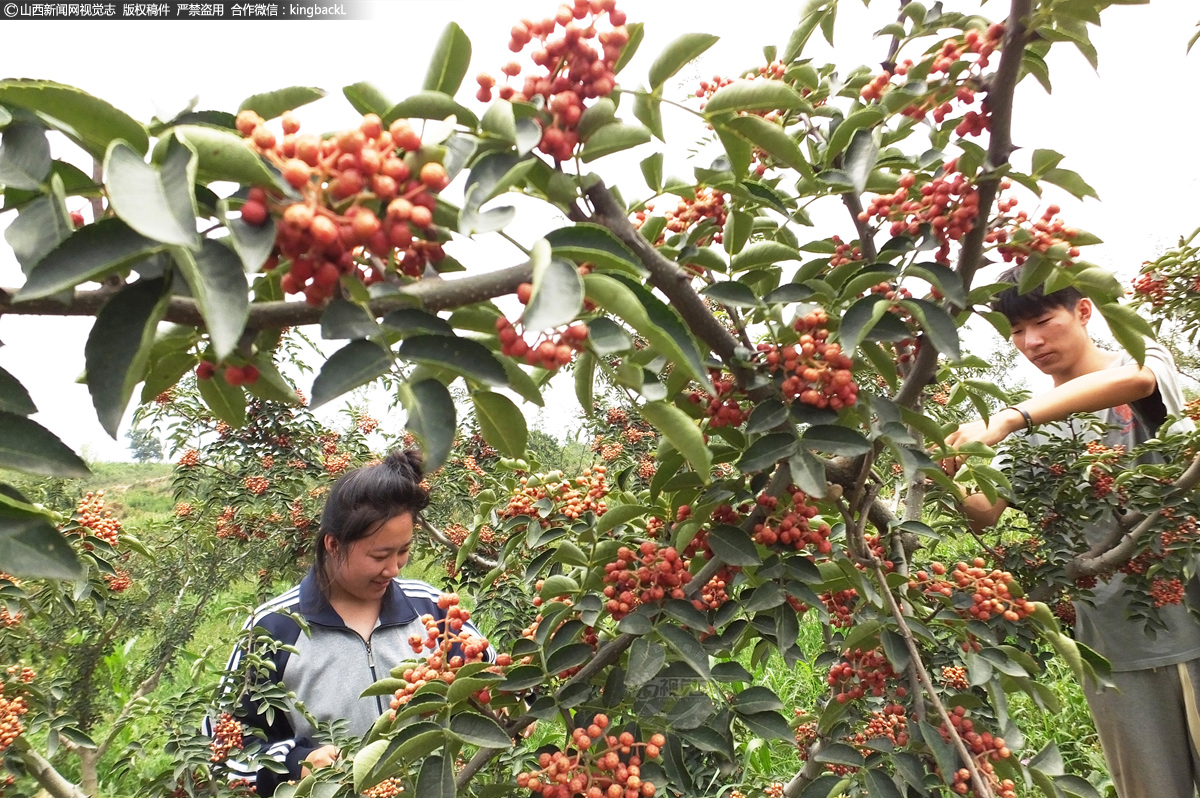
374, 676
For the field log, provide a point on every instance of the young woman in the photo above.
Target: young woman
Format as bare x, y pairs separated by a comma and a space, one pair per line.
360, 618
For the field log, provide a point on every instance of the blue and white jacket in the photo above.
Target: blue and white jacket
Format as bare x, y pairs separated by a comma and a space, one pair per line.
331, 667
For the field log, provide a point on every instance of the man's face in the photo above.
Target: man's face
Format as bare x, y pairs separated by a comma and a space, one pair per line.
1054, 340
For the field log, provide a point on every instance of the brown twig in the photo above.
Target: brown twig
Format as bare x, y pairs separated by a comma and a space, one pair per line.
440, 537
44, 773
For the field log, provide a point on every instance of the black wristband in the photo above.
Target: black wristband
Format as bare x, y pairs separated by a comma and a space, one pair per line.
1025, 415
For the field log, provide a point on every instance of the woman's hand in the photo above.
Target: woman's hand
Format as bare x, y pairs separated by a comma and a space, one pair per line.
320, 758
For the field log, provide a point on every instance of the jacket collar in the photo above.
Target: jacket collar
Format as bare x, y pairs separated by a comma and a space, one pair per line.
396, 609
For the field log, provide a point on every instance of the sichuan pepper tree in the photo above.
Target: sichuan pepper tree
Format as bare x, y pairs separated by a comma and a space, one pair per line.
779, 369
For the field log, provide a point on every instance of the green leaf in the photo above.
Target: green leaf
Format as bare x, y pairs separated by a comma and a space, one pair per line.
218, 283
646, 658
499, 121
436, 779
91, 254
835, 440
808, 473
613, 138
430, 105
273, 103
590, 243
619, 300
253, 244
678, 54
606, 337
27, 446
860, 159
344, 319
365, 761
733, 294
1128, 327
880, 785
768, 450
270, 384
636, 31
1071, 182
652, 171
602, 112
685, 645
461, 355
41, 226
519, 382
733, 546
557, 296
355, 364
451, 58
772, 138
501, 423
754, 95
223, 155
615, 516
585, 381
24, 156
30, 546
944, 279
762, 253
859, 319
158, 203
767, 725
431, 417
683, 434
756, 699
13, 396
118, 347
88, 120
814, 13
227, 402
938, 325
479, 730
415, 320
169, 359
766, 415
647, 109
366, 99
867, 117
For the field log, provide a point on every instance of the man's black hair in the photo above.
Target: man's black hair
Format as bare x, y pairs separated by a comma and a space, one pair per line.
366, 498
1033, 303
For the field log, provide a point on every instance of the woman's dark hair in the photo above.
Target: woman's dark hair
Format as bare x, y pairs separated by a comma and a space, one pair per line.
365, 498
1033, 303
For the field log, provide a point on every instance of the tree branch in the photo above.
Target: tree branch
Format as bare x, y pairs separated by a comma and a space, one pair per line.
440, 537
433, 294
44, 773
1113, 553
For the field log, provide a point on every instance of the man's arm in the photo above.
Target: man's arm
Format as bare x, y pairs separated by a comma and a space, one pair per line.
1086, 394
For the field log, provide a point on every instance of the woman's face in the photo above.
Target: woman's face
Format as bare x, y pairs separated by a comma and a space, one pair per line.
362, 570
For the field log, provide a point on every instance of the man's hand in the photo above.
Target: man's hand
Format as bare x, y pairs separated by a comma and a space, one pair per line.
999, 426
320, 758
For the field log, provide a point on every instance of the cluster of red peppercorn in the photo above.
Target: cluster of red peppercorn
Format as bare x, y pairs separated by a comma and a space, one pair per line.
234, 375
843, 253
1164, 591
1152, 286
256, 485
955, 677
440, 664
588, 495
388, 788
862, 673
576, 63
708, 204
1047, 235
840, 606
613, 771
724, 409
11, 710
366, 196
949, 204
772, 71
227, 736
92, 518
227, 528
551, 350
813, 370
991, 590
662, 572
788, 525
984, 749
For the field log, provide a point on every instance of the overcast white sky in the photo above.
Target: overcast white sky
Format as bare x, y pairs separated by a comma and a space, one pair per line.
1129, 129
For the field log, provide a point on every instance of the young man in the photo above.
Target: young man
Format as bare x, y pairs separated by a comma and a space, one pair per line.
1149, 727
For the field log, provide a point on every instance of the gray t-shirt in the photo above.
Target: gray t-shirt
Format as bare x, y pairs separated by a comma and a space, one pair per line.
1104, 623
